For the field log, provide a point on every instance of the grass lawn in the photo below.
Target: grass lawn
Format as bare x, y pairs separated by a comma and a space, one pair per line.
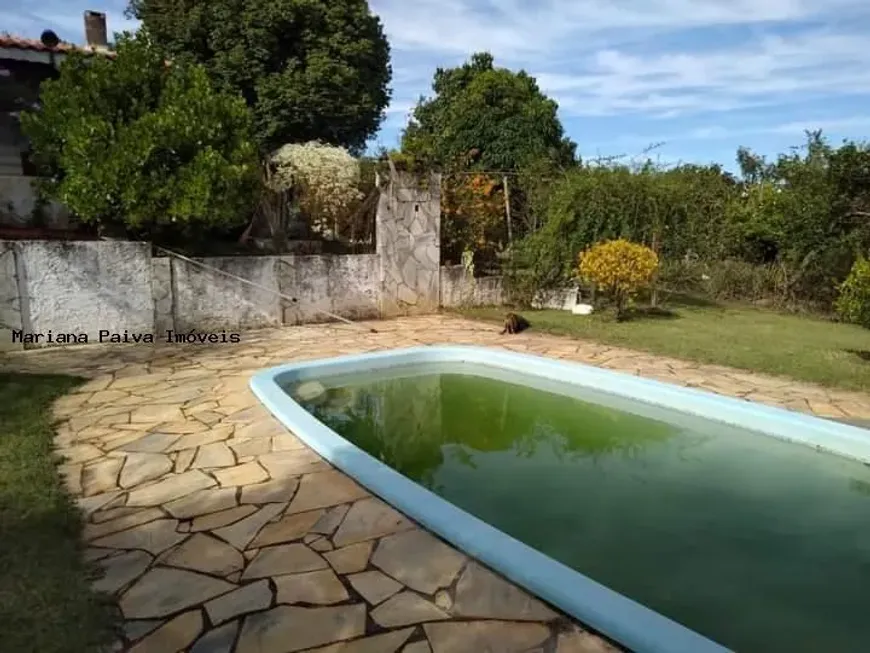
46, 605
749, 338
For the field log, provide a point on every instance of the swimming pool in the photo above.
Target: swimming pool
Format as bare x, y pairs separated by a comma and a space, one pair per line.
588, 487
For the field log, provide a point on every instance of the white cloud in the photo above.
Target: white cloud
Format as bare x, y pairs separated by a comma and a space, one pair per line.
769, 71
828, 125
514, 27
659, 58
672, 60
791, 128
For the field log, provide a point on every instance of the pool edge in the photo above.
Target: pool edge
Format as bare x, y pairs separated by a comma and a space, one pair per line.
631, 624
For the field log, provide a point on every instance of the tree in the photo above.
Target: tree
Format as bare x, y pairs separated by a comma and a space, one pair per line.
486, 118
754, 168
473, 208
132, 141
309, 69
853, 303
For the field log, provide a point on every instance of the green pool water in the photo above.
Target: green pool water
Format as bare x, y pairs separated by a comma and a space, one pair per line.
756, 543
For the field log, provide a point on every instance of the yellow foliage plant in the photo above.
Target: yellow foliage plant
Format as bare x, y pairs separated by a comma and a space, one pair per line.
620, 268
472, 207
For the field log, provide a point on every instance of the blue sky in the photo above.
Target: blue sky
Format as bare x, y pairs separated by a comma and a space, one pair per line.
700, 76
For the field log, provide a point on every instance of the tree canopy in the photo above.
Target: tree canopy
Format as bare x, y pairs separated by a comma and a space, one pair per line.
486, 118
789, 229
309, 69
131, 140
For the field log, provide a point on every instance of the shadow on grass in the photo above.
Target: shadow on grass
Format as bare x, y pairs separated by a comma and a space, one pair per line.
639, 313
682, 300
863, 354
46, 601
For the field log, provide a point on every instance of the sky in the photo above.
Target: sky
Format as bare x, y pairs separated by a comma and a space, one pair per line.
695, 78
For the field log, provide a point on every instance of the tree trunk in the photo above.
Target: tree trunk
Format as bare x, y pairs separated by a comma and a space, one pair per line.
507, 211
654, 295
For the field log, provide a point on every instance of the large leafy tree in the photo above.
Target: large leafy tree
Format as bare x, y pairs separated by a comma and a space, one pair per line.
810, 208
486, 118
132, 142
310, 69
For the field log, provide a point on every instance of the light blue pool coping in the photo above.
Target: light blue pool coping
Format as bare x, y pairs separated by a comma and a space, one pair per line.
631, 624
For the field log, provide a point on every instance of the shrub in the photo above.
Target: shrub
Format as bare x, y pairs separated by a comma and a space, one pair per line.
473, 217
853, 303
620, 268
133, 141
325, 179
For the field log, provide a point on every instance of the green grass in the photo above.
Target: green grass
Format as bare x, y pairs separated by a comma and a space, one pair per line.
801, 347
46, 604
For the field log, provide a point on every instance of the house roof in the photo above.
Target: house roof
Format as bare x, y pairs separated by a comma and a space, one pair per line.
13, 42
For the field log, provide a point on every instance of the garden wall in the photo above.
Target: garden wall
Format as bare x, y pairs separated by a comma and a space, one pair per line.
190, 297
102, 289
97, 290
57, 287
458, 288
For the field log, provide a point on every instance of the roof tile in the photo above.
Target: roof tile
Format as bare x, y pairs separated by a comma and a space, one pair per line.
13, 42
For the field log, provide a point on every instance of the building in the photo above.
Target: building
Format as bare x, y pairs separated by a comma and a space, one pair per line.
24, 64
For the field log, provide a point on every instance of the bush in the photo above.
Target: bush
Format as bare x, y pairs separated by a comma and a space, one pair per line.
131, 141
853, 303
325, 180
620, 268
733, 280
535, 269
473, 217
777, 285
728, 280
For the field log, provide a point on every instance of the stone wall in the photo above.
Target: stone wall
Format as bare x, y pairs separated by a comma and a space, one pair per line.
408, 236
458, 288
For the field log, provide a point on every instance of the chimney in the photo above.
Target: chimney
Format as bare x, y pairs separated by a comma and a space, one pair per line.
95, 29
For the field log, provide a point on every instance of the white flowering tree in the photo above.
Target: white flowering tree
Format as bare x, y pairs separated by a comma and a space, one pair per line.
325, 180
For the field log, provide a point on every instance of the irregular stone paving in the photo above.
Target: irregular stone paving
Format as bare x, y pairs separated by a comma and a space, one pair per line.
219, 531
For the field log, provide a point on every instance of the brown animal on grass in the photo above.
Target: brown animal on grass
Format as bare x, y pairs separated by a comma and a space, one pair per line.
514, 323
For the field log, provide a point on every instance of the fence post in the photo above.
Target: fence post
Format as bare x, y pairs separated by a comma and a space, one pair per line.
507, 210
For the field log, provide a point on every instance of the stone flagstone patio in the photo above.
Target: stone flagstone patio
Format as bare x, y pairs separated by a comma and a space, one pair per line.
220, 531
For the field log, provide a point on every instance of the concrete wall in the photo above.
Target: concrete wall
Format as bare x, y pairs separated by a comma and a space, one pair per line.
18, 198
343, 285
10, 302
458, 288
79, 287
116, 286
189, 297
209, 301
560, 300
18, 204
